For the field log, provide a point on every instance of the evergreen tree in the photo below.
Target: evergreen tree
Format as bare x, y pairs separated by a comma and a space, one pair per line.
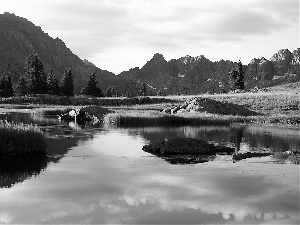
22, 87
240, 76
36, 75
236, 78
92, 88
67, 86
110, 91
143, 90
6, 89
52, 84
232, 79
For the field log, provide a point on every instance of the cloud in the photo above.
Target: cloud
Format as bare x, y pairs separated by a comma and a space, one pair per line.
5, 217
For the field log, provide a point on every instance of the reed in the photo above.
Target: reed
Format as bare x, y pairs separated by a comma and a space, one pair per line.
156, 118
21, 139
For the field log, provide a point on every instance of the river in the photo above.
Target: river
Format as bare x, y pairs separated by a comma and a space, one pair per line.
101, 175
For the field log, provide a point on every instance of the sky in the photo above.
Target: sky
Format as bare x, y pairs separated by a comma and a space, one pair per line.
117, 35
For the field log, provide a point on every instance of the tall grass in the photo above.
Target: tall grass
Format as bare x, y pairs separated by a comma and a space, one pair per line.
150, 118
156, 118
21, 139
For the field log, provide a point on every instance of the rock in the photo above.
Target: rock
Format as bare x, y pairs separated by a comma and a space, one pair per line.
97, 111
207, 105
168, 111
87, 113
185, 146
175, 109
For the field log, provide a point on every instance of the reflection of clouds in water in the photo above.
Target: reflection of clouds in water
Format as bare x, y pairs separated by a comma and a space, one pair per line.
111, 189
5, 217
207, 200
194, 132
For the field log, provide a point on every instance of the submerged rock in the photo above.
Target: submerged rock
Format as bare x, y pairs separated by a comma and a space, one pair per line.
240, 156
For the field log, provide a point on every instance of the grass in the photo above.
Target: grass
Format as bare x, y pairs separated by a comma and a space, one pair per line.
157, 118
150, 118
21, 139
280, 105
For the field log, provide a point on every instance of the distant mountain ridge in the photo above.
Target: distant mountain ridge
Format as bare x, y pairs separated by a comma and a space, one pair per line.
190, 75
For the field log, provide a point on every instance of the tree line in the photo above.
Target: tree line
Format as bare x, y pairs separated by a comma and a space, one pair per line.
36, 81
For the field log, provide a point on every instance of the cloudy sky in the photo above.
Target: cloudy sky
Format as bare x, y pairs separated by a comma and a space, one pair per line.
117, 35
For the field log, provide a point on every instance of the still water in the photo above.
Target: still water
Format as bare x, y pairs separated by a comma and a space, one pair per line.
101, 175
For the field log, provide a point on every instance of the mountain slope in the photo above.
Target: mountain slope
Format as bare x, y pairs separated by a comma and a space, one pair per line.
20, 38
189, 75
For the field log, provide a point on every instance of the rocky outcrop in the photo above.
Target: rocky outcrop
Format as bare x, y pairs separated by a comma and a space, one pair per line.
207, 105
296, 57
192, 146
282, 61
87, 113
260, 70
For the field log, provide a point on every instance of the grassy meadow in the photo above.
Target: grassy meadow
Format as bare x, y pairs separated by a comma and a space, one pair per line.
275, 105
278, 105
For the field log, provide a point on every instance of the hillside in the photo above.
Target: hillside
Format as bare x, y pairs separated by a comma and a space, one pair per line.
20, 38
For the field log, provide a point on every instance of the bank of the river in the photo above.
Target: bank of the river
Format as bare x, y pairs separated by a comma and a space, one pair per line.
279, 106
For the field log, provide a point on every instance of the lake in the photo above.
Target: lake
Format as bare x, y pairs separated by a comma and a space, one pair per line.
96, 174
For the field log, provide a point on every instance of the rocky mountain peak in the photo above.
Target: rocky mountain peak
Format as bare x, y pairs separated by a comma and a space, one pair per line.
282, 55
157, 57
296, 57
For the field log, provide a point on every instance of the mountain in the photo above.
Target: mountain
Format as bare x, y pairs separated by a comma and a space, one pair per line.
193, 75
188, 75
20, 38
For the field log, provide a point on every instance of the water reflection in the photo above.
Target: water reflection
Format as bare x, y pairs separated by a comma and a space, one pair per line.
243, 138
61, 138
104, 177
15, 170
28, 118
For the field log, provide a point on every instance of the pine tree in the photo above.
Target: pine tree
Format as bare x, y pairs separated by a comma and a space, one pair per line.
22, 87
36, 75
67, 86
143, 90
236, 78
92, 88
240, 76
110, 91
52, 84
232, 79
6, 89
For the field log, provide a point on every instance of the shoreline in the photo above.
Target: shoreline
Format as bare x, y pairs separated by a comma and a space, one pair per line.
277, 108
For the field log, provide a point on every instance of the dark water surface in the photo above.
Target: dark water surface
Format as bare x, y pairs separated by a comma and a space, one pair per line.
99, 175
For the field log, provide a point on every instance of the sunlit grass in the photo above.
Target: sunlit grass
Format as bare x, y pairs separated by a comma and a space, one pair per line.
21, 139
152, 117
